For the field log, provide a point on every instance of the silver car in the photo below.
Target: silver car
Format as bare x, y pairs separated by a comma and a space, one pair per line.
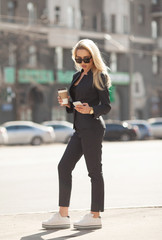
27, 132
63, 130
144, 128
156, 127
3, 136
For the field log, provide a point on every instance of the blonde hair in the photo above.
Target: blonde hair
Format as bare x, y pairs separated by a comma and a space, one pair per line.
99, 67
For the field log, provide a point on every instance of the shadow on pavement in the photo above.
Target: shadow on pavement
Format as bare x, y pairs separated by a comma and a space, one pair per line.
38, 236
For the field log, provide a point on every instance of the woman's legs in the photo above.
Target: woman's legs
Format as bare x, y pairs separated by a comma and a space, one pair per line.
70, 157
92, 149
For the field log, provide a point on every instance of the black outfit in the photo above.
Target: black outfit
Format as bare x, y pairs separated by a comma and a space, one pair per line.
87, 140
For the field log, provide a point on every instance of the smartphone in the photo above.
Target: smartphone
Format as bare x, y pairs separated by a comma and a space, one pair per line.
77, 103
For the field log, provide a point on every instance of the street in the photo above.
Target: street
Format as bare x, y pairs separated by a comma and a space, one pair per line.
29, 182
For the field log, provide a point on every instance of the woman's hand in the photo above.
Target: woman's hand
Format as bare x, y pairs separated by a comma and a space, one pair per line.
61, 104
84, 108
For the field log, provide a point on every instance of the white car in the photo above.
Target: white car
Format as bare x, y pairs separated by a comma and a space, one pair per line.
144, 128
3, 136
27, 132
156, 127
63, 130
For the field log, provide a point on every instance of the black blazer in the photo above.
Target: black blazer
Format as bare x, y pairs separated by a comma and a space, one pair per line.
86, 92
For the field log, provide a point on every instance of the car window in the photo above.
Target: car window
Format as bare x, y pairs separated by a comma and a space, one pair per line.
23, 127
141, 126
10, 128
157, 124
59, 127
114, 126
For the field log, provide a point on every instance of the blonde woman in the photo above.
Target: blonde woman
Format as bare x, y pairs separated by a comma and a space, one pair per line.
89, 86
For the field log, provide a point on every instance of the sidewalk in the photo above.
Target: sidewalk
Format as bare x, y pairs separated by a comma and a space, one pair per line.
118, 224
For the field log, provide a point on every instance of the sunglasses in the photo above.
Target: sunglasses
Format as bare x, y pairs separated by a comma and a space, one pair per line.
85, 59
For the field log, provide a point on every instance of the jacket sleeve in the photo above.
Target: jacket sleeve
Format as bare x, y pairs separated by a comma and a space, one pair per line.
70, 110
104, 107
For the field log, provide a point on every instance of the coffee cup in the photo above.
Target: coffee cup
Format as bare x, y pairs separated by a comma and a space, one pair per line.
63, 93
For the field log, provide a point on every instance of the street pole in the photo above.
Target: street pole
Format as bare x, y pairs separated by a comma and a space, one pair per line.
131, 65
131, 70
17, 115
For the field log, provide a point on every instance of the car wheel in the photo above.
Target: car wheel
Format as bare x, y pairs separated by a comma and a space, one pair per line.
125, 137
36, 141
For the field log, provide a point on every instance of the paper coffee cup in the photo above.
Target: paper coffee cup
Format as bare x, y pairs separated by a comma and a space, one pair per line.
63, 93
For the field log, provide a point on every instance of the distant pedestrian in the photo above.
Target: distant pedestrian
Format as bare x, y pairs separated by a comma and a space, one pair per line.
90, 87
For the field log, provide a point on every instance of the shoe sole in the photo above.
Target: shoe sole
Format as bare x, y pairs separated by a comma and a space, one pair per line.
56, 226
88, 227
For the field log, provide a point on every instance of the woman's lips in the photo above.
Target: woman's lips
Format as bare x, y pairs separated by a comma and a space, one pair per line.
84, 66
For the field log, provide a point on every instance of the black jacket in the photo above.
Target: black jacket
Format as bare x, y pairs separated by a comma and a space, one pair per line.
86, 92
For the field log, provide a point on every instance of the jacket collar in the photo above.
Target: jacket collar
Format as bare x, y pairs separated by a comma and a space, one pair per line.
77, 75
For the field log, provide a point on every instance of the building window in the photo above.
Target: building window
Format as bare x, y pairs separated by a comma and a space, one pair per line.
71, 18
154, 29
113, 62
94, 22
113, 23
141, 13
32, 13
137, 87
155, 2
59, 57
12, 55
11, 10
125, 24
32, 56
83, 19
57, 14
155, 64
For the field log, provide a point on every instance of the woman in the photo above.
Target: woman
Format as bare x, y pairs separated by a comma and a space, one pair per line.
90, 87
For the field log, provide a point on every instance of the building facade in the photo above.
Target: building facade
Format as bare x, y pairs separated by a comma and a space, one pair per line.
156, 88
36, 58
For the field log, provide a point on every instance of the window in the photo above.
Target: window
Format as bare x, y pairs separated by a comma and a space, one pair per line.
59, 57
137, 87
32, 13
141, 14
12, 55
155, 64
83, 19
71, 19
125, 24
155, 2
94, 20
11, 10
57, 14
113, 23
154, 29
113, 62
32, 56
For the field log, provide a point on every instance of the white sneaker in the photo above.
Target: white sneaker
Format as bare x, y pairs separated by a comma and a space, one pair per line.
88, 222
57, 221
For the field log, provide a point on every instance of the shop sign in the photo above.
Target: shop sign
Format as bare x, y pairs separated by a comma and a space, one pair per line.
28, 76
9, 75
112, 93
65, 76
39, 76
119, 78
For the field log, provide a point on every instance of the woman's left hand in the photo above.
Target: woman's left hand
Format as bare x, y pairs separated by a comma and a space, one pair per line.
84, 108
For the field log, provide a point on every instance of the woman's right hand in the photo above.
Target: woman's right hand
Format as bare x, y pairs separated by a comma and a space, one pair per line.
61, 104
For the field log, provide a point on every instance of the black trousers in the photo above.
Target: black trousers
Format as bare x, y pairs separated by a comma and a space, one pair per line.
87, 142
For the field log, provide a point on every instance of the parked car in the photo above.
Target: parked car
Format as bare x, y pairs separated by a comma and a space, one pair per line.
116, 130
144, 128
156, 127
27, 132
3, 136
63, 130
